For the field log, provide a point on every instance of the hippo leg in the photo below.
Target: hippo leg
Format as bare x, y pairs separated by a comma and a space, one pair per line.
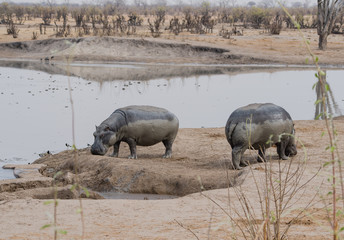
115, 149
261, 155
132, 146
168, 145
281, 149
237, 153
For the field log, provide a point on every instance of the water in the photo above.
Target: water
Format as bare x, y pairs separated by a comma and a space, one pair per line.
36, 114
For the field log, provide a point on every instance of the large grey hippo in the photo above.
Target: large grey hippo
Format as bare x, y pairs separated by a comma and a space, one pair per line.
136, 125
259, 126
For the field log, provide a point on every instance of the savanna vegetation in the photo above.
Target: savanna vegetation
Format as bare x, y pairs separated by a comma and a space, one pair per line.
116, 18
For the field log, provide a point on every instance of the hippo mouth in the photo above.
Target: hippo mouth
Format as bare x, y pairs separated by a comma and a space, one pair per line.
290, 151
97, 149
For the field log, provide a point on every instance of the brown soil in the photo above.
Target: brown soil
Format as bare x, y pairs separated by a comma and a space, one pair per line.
199, 160
200, 157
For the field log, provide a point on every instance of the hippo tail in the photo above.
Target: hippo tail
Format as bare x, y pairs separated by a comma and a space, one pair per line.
230, 127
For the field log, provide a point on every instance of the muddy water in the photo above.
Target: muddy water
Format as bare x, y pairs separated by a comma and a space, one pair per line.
36, 112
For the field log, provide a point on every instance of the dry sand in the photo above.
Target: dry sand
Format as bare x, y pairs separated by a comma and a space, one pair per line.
198, 160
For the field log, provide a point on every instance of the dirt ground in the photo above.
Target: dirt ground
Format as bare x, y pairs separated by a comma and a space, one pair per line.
200, 156
197, 163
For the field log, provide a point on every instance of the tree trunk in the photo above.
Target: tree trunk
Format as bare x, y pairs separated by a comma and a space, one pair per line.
328, 11
322, 41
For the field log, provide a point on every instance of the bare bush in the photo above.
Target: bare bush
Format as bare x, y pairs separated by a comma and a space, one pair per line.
47, 14
225, 16
78, 15
133, 21
257, 16
92, 14
279, 187
19, 12
175, 26
120, 24
34, 36
187, 21
206, 19
62, 12
12, 29
6, 13
276, 25
106, 26
158, 22
225, 33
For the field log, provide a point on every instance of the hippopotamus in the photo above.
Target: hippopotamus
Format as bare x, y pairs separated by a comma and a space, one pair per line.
260, 126
136, 125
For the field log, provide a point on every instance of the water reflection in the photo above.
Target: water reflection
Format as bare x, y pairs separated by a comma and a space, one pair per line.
136, 71
331, 105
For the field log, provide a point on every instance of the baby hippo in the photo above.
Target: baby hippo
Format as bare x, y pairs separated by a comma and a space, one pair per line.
260, 126
136, 125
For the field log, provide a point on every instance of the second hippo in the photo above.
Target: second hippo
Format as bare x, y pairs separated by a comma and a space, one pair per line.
136, 125
260, 126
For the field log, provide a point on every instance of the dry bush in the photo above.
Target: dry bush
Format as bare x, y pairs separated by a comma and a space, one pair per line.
46, 15
276, 25
279, 186
63, 31
257, 16
34, 36
12, 29
187, 21
133, 21
175, 25
206, 18
120, 24
78, 15
225, 33
159, 21
6, 13
92, 13
224, 16
19, 11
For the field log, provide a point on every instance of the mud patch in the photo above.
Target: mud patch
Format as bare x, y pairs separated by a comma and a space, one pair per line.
195, 166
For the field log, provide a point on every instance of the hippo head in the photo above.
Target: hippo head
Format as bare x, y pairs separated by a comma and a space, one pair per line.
103, 138
291, 150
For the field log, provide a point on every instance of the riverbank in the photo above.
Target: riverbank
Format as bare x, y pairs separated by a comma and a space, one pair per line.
254, 47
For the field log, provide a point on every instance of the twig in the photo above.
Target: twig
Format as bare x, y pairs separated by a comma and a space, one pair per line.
186, 228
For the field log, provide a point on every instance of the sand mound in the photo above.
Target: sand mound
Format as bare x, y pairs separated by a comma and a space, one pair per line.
118, 49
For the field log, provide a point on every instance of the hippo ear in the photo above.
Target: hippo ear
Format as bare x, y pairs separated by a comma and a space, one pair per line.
107, 129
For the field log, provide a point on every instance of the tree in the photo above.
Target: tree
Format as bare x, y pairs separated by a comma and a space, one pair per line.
328, 11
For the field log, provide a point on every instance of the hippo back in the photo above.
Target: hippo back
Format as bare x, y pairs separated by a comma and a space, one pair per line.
262, 119
137, 113
148, 125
